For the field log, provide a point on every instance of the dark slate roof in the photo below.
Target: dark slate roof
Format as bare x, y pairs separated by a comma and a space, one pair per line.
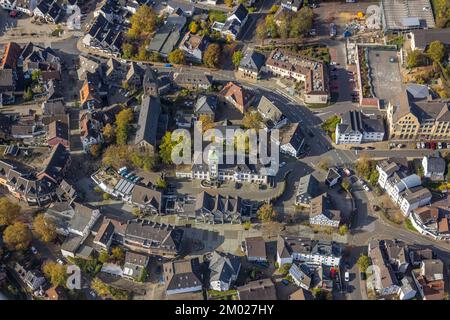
241, 12
269, 110
148, 120
206, 105
224, 266
252, 60
422, 38
435, 164
57, 161
182, 274
258, 290
155, 234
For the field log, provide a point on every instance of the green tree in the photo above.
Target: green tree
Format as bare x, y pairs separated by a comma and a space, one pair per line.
8, 211
44, 227
143, 275
95, 150
17, 236
143, 54
345, 185
161, 183
109, 133
271, 26
28, 94
36, 75
274, 9
229, 3
106, 196
211, 57
261, 31
237, 57
55, 273
206, 121
373, 178
363, 262
266, 213
176, 57
436, 51
363, 167
128, 50
123, 120
252, 120
416, 59
321, 294
118, 254
104, 256
193, 27
166, 147
100, 287
301, 22
143, 22
343, 230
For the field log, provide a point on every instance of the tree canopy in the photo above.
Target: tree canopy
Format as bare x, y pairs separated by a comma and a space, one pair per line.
211, 57
252, 120
363, 262
123, 120
436, 51
55, 273
17, 236
237, 57
143, 22
8, 211
266, 213
45, 228
416, 59
176, 57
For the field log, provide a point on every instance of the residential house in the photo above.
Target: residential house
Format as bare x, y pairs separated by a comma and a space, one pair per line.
49, 10
135, 75
33, 278
60, 213
193, 47
421, 38
413, 119
321, 213
89, 94
206, 105
151, 124
181, 8
251, 65
291, 139
258, 290
224, 269
146, 199
56, 293
56, 164
385, 170
272, 115
255, 249
220, 209
403, 16
433, 167
153, 238
308, 189
356, 128
433, 220
135, 265
292, 5
58, 132
104, 36
384, 281
104, 236
84, 218
301, 275
333, 177
406, 290
430, 279
114, 72
396, 253
168, 35
192, 81
301, 294
183, 276
413, 198
90, 130
313, 73
311, 252
234, 23
238, 96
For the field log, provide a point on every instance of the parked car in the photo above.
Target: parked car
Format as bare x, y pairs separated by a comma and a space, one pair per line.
282, 164
370, 148
33, 249
285, 282
375, 207
347, 276
366, 187
362, 275
439, 145
60, 261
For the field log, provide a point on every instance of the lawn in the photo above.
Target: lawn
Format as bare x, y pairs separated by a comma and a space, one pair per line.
330, 125
409, 225
219, 16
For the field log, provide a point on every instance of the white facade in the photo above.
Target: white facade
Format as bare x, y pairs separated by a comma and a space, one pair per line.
407, 206
429, 174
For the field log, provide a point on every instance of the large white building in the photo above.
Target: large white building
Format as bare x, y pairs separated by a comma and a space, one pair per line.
356, 128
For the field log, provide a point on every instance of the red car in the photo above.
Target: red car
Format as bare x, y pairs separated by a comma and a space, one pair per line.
13, 13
